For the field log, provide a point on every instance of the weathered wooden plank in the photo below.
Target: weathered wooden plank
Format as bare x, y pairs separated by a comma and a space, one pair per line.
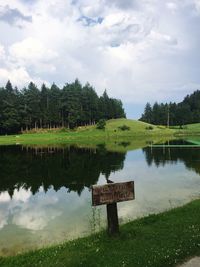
112, 193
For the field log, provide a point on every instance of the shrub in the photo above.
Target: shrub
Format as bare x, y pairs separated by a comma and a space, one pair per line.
183, 127
101, 124
149, 127
63, 130
124, 128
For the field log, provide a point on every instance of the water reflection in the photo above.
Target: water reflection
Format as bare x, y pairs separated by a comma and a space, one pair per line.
45, 197
160, 156
71, 167
46, 190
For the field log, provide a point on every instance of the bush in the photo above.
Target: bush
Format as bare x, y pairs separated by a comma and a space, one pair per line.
63, 130
101, 124
124, 128
183, 127
149, 127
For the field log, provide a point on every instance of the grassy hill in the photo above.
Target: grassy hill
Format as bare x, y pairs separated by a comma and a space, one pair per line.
90, 135
115, 137
188, 129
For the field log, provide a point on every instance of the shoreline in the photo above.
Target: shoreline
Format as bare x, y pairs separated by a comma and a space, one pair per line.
88, 135
164, 239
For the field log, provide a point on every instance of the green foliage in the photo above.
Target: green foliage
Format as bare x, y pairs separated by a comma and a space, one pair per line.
183, 127
124, 128
101, 124
72, 106
170, 114
64, 130
150, 127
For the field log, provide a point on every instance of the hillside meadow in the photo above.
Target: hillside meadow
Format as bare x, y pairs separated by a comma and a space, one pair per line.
90, 135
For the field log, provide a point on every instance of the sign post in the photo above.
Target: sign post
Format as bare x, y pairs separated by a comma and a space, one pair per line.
110, 194
112, 217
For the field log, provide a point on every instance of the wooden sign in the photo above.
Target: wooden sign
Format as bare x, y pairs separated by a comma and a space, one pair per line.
112, 193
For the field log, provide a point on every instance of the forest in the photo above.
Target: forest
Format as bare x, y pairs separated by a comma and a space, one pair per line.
170, 114
71, 106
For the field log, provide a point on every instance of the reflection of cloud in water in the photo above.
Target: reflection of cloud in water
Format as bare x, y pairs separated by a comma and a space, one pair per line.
21, 195
35, 215
26, 210
43, 218
3, 218
35, 212
57, 215
7, 204
156, 189
4, 197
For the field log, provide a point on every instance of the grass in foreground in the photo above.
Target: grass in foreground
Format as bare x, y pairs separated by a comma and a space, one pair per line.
155, 241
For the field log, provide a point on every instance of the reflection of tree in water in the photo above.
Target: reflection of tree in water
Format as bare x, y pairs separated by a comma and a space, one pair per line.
70, 167
161, 156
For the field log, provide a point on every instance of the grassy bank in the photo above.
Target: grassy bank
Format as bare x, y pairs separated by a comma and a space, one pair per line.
91, 135
156, 241
189, 129
138, 135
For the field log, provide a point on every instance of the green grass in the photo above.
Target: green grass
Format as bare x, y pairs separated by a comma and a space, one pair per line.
155, 241
194, 126
188, 129
139, 134
194, 139
90, 135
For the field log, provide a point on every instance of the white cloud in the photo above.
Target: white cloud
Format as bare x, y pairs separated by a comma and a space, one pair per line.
163, 38
139, 50
32, 52
19, 77
13, 16
172, 6
197, 4
2, 51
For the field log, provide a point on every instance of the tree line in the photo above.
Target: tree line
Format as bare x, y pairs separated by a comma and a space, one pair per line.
74, 168
170, 114
71, 106
161, 157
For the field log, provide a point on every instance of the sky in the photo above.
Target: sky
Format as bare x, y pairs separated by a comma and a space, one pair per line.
139, 50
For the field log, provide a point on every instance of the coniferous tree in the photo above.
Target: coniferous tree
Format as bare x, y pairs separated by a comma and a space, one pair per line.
74, 105
185, 112
147, 115
55, 106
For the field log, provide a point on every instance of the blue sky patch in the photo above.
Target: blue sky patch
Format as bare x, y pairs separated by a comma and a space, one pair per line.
89, 21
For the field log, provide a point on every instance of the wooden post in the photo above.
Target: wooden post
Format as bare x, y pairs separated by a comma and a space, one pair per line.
110, 194
112, 217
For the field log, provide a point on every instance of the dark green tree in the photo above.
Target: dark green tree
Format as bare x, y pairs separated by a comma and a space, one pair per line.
72, 106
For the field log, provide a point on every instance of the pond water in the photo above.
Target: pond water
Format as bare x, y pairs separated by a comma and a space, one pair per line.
45, 193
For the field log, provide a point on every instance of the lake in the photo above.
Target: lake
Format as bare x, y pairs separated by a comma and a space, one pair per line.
45, 195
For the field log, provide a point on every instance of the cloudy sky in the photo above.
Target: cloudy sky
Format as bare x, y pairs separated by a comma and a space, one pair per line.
139, 50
